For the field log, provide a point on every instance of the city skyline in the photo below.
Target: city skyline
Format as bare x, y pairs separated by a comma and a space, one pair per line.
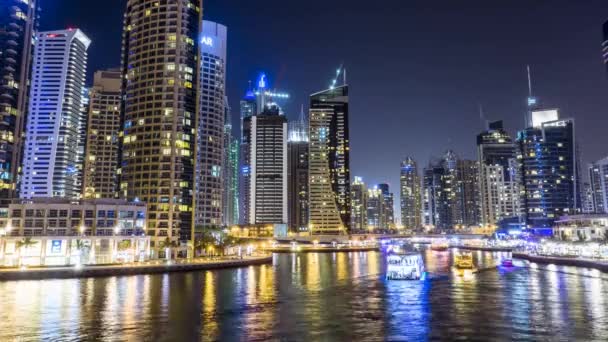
477, 72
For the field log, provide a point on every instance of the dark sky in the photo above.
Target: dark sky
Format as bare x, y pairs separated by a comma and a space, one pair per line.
417, 69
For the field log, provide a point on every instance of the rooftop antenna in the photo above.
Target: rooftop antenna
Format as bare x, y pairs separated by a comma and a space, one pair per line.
483, 118
302, 114
344, 76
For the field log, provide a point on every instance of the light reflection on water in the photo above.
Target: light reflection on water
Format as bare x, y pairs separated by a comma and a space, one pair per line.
315, 296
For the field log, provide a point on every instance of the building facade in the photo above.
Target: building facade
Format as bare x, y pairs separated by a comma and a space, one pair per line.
18, 23
68, 232
549, 170
468, 193
376, 209
598, 179
160, 66
230, 171
103, 134
267, 142
389, 203
329, 165
498, 175
359, 195
210, 138
297, 173
54, 146
410, 195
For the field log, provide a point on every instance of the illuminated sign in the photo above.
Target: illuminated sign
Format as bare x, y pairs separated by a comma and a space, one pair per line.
207, 41
539, 117
56, 246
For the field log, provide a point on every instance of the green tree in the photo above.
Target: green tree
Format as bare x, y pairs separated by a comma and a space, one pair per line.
170, 244
124, 245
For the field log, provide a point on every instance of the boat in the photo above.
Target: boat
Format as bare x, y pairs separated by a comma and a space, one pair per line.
404, 263
507, 262
440, 246
464, 261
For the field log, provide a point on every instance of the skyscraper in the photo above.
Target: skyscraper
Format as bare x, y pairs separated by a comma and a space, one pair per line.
101, 157
376, 209
468, 193
267, 141
410, 195
598, 178
297, 172
230, 172
498, 175
210, 140
549, 176
53, 158
18, 22
359, 195
389, 203
160, 64
329, 166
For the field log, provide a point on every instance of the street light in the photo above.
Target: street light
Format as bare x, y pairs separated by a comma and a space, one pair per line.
116, 230
82, 229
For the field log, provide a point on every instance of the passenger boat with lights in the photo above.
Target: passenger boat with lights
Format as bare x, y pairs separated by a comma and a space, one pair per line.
507, 262
464, 261
404, 263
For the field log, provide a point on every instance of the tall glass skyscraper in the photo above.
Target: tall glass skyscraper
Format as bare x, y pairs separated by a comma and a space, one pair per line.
230, 167
549, 169
160, 64
359, 195
329, 166
18, 22
297, 172
210, 140
53, 158
410, 195
389, 206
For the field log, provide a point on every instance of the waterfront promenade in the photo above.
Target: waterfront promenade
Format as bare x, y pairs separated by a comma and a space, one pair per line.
156, 266
565, 261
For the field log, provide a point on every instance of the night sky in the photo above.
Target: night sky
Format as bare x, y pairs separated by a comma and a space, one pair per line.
417, 70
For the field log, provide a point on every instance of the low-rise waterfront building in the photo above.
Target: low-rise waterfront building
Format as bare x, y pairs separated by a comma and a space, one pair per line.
586, 227
54, 231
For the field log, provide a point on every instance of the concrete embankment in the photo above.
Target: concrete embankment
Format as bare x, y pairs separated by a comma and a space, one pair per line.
602, 266
304, 249
131, 269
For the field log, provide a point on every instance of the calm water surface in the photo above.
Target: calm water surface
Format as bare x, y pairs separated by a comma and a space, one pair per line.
331, 297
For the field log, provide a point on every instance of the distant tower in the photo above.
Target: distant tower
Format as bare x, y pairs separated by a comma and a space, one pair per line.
101, 157
359, 195
329, 166
54, 147
18, 22
389, 203
410, 194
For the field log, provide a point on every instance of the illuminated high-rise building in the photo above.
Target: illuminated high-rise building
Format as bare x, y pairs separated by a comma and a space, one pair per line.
410, 195
54, 145
549, 169
101, 157
161, 60
598, 177
389, 204
498, 175
230, 172
376, 209
297, 173
18, 22
329, 165
267, 142
255, 101
467, 192
210, 140
359, 194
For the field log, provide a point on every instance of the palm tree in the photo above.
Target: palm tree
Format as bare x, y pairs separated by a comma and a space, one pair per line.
170, 244
27, 242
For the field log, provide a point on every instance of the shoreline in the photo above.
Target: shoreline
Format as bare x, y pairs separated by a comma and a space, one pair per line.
120, 270
585, 263
484, 249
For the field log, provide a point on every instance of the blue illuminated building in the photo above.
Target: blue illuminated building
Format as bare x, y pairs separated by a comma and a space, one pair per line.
549, 169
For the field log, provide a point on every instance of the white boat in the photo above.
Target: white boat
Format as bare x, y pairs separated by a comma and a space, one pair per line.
404, 264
